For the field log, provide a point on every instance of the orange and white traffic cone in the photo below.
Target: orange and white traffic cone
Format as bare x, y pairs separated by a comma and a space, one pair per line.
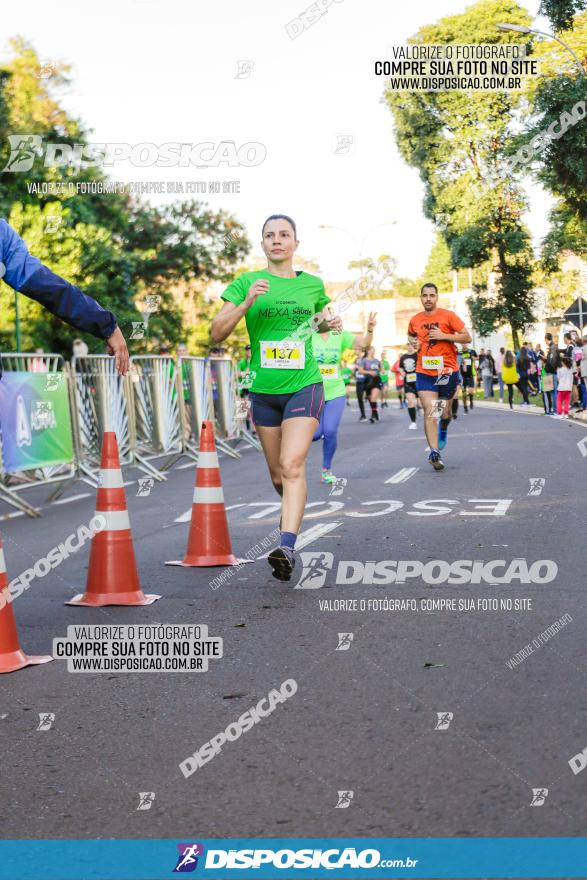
113, 578
209, 539
12, 657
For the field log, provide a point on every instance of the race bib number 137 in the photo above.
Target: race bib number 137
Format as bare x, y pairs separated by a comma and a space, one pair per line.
283, 355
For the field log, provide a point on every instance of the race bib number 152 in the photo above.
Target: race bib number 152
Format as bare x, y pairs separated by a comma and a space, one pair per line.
433, 363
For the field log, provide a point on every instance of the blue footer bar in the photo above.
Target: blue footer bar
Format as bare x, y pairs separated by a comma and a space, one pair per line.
228, 859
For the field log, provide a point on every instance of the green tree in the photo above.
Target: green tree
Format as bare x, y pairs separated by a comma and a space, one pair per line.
556, 101
113, 246
458, 140
561, 12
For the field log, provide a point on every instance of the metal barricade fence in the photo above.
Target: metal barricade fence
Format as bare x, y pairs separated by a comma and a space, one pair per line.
232, 410
155, 394
101, 404
156, 410
56, 373
224, 399
195, 399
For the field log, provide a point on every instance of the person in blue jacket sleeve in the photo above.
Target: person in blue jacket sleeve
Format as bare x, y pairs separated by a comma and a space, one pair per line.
28, 275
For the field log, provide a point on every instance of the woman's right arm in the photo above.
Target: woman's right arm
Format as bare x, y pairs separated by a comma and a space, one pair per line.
229, 315
226, 320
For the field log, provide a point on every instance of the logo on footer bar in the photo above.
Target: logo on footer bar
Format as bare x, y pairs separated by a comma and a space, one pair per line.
187, 861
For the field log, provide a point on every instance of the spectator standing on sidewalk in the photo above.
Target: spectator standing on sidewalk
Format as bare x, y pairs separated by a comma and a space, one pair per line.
523, 366
510, 375
480, 360
498, 365
565, 387
577, 357
583, 367
552, 363
547, 386
533, 371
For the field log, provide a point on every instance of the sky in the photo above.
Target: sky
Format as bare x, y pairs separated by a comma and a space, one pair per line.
157, 71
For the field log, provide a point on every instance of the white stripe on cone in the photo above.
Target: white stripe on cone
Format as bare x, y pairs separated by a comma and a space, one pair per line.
110, 478
115, 520
208, 495
208, 459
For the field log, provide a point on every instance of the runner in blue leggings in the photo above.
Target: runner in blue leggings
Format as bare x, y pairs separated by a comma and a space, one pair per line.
328, 350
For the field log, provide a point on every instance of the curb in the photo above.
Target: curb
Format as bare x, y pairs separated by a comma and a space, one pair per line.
531, 410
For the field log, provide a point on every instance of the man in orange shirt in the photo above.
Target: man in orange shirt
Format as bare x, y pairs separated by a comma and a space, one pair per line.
434, 332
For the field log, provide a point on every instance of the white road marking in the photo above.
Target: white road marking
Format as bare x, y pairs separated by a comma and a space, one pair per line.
185, 517
12, 515
403, 475
312, 534
71, 498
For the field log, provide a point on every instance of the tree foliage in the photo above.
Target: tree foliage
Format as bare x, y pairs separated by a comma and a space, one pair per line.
114, 246
554, 101
561, 12
458, 141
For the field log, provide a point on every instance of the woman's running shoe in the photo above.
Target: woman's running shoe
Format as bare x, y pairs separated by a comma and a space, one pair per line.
436, 461
326, 476
282, 562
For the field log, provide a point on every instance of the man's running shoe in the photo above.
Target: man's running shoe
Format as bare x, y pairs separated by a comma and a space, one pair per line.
282, 562
436, 461
413, 427
326, 476
442, 436
363, 419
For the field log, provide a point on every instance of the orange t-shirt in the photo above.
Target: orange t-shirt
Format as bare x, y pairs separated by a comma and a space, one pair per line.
435, 356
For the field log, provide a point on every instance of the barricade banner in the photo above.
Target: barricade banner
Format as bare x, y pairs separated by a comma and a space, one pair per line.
35, 421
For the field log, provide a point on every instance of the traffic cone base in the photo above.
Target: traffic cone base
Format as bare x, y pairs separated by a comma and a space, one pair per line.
133, 597
208, 561
14, 660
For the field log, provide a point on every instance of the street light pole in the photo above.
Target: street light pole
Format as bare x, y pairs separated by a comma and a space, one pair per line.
520, 29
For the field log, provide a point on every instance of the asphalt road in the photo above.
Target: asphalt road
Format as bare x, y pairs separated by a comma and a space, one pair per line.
365, 717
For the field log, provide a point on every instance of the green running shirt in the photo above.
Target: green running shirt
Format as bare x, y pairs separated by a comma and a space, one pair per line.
328, 353
282, 315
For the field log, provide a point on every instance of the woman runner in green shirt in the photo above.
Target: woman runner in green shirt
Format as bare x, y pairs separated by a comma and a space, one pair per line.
328, 348
282, 308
